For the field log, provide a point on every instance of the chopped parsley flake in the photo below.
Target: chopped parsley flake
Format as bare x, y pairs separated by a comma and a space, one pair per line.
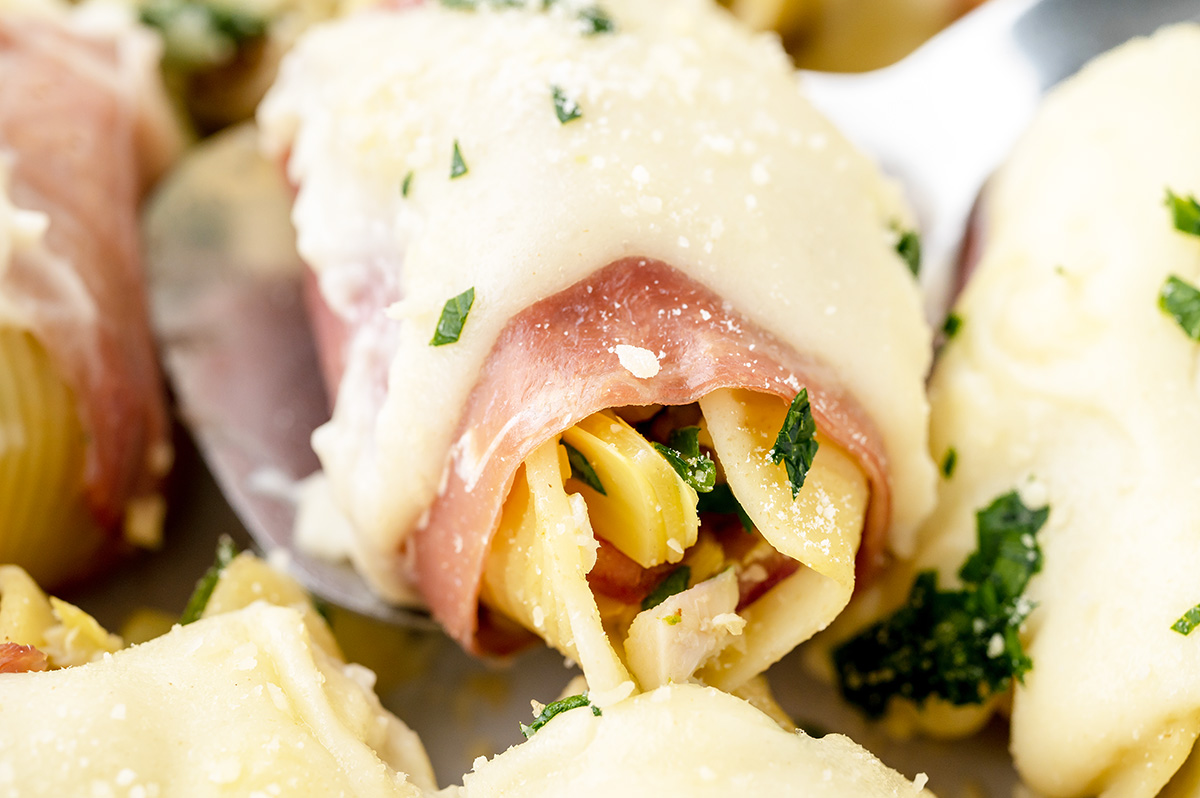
558, 707
949, 462
565, 108
1185, 212
796, 444
582, 470
197, 34
676, 582
721, 500
1189, 621
458, 167
962, 646
322, 608
406, 186
1180, 300
454, 316
684, 455
595, 21
952, 325
674, 618
909, 249
226, 551
592, 19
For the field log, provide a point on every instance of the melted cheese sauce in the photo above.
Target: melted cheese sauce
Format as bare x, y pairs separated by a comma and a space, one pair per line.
1069, 383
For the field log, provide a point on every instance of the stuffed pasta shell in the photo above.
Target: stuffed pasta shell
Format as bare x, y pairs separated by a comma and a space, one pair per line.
84, 438
623, 351
679, 740
252, 698
1067, 388
250, 695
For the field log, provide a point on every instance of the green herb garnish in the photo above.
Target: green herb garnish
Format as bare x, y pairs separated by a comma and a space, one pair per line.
1189, 621
323, 609
1185, 212
721, 500
454, 316
458, 167
676, 582
1180, 300
596, 20
674, 618
949, 462
406, 186
909, 248
226, 551
684, 455
796, 444
962, 646
565, 108
952, 325
592, 19
558, 707
198, 35
582, 470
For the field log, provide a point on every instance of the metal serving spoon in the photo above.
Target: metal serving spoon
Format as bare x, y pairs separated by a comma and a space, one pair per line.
945, 117
226, 279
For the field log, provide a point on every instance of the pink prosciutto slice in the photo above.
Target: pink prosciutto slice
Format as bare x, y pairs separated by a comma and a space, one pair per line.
16, 658
81, 127
553, 365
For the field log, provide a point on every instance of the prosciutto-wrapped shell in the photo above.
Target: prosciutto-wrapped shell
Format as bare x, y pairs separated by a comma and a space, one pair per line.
84, 438
576, 266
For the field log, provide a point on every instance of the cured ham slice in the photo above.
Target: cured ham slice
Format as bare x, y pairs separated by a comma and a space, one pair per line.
82, 133
15, 658
632, 235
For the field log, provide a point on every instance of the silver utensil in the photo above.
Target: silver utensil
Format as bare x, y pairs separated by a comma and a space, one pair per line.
225, 278
945, 117
229, 311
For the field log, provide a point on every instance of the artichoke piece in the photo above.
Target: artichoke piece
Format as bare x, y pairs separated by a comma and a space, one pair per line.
646, 511
536, 571
64, 633
820, 527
